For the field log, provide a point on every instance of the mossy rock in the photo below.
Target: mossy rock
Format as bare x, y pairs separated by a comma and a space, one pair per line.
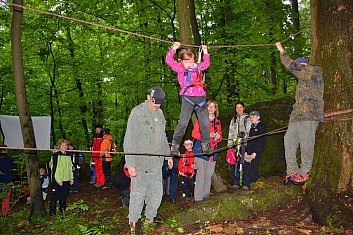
237, 204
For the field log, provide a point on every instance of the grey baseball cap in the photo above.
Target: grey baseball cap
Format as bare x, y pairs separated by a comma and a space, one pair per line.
254, 113
157, 95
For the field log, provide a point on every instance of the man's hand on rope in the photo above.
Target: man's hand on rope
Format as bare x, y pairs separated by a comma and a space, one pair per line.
279, 47
132, 171
170, 163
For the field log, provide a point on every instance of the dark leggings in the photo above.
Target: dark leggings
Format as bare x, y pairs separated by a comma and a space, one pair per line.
107, 173
59, 193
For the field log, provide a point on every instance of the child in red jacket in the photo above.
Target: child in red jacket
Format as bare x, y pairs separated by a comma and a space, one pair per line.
187, 170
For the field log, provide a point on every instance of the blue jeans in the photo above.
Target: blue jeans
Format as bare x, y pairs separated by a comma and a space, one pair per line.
93, 174
74, 187
251, 170
173, 180
107, 173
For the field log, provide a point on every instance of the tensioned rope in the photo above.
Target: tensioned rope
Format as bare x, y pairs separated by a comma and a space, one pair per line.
138, 34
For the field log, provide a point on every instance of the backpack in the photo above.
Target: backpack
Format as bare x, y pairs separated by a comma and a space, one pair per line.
241, 134
185, 165
188, 169
230, 156
113, 149
77, 158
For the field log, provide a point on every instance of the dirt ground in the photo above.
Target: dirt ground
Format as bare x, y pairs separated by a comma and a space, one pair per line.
288, 218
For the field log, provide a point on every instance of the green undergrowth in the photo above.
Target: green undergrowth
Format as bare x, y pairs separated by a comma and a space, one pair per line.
84, 218
79, 219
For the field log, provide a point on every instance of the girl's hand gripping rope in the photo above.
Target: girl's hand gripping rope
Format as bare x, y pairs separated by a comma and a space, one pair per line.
176, 45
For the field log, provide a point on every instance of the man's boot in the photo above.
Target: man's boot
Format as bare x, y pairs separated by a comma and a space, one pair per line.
135, 228
148, 221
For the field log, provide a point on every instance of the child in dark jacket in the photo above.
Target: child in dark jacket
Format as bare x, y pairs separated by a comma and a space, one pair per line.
122, 181
254, 150
187, 170
44, 180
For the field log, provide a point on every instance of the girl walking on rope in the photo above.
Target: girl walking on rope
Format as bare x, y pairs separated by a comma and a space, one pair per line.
193, 93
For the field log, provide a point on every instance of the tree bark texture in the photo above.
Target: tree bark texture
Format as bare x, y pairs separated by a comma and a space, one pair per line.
184, 21
194, 25
332, 43
273, 74
32, 166
52, 88
295, 15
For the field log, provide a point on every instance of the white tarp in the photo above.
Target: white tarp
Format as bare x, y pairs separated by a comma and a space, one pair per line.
11, 129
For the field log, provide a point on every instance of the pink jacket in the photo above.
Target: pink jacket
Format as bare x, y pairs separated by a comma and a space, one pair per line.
179, 68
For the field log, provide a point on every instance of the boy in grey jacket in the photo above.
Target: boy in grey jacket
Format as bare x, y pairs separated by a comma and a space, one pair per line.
145, 134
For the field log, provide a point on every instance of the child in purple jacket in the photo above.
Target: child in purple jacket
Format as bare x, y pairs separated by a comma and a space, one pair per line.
193, 93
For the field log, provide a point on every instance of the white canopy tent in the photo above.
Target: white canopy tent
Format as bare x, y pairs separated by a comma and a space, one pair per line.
12, 134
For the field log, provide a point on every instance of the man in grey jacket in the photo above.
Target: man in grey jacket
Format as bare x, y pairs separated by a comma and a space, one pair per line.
145, 135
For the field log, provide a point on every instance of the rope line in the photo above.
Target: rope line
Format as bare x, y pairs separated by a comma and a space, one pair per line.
137, 34
338, 112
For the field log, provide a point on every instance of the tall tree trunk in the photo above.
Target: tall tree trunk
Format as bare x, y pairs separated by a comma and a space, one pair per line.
184, 21
272, 56
331, 43
194, 25
185, 29
295, 15
2, 93
83, 105
32, 166
98, 104
52, 87
273, 74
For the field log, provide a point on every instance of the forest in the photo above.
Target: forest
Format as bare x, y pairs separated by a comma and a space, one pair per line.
91, 62
81, 75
